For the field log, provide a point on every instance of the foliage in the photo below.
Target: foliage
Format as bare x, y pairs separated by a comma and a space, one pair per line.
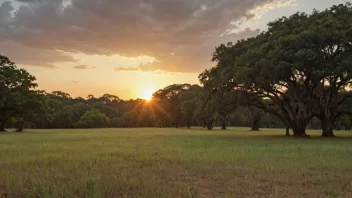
93, 119
16, 91
299, 69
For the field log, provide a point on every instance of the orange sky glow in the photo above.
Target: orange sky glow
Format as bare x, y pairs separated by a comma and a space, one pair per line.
129, 48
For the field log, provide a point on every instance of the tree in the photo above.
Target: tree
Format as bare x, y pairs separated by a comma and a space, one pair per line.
344, 122
206, 113
93, 119
189, 99
129, 119
32, 109
221, 95
274, 85
116, 122
109, 99
255, 115
187, 109
321, 55
16, 87
297, 69
168, 105
61, 95
63, 117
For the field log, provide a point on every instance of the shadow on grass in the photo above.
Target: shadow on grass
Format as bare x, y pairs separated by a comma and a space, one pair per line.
4, 132
254, 135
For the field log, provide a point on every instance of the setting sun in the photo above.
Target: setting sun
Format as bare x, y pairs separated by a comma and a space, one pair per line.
148, 95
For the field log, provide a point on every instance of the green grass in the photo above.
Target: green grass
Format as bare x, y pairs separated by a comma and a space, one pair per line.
173, 163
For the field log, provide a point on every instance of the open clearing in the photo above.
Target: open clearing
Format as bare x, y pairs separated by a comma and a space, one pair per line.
173, 163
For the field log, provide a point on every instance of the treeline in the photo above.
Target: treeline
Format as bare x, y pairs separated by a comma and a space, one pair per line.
296, 75
173, 106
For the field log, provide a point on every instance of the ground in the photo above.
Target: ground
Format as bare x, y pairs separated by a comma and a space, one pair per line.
174, 163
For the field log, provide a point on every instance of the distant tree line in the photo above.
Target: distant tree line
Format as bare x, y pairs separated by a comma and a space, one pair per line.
296, 75
173, 106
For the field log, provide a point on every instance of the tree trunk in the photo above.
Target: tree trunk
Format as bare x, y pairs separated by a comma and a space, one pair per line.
328, 128
299, 131
255, 118
299, 127
327, 124
287, 131
2, 127
188, 124
210, 125
255, 125
224, 124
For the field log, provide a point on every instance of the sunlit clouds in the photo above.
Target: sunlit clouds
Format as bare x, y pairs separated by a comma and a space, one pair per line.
116, 46
257, 11
178, 35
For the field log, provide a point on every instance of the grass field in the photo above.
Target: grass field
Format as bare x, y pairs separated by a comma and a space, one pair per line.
173, 163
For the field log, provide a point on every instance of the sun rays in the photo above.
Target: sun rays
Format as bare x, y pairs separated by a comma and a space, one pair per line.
148, 95
153, 109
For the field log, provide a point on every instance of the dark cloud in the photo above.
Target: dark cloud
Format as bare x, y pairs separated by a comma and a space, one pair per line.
29, 1
33, 56
5, 13
180, 34
83, 67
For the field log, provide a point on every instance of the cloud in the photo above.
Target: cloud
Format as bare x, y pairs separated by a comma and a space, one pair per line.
272, 5
180, 35
127, 69
75, 81
83, 67
258, 10
33, 56
29, 1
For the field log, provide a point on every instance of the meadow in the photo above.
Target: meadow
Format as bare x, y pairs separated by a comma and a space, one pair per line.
174, 163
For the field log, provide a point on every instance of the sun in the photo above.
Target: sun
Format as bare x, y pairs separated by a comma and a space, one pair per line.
148, 95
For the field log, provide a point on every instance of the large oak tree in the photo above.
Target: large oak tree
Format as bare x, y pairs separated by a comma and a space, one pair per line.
299, 69
16, 90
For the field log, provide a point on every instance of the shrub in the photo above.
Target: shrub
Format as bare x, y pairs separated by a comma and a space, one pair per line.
93, 119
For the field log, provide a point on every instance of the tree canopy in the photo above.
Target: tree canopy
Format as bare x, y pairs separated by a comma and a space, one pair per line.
299, 69
16, 90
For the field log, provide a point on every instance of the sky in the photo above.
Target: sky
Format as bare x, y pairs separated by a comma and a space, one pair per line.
129, 48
